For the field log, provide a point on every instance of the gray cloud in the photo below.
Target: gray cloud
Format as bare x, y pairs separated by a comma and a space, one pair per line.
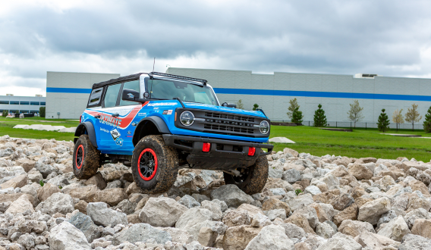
305, 36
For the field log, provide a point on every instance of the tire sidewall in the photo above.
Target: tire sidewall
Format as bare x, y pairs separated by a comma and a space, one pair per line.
158, 150
79, 172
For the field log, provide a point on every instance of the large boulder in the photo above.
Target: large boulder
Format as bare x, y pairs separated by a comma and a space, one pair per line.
102, 215
87, 193
415, 242
162, 212
293, 231
395, 229
65, 236
86, 225
291, 175
238, 237
217, 207
232, 195
422, 227
340, 241
300, 202
271, 237
57, 203
192, 217
18, 181
20, 205
237, 217
419, 213
273, 203
361, 172
372, 210
355, 228
26, 164
46, 191
112, 196
376, 241
301, 221
142, 232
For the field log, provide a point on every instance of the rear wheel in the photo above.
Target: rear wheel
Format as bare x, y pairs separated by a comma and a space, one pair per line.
85, 158
252, 179
154, 165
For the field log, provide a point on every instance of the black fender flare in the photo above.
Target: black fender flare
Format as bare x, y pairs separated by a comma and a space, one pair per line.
87, 126
157, 121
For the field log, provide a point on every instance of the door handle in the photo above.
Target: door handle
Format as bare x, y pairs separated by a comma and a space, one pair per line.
97, 116
115, 115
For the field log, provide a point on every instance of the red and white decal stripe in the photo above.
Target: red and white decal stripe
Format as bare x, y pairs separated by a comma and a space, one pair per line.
125, 121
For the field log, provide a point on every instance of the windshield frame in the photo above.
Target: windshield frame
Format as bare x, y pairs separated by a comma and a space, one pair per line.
147, 79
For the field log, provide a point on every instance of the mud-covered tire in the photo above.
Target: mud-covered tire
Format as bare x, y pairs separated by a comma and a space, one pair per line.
86, 158
253, 179
154, 165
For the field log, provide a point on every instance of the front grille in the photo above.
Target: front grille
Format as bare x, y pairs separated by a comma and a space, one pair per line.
230, 117
228, 128
228, 123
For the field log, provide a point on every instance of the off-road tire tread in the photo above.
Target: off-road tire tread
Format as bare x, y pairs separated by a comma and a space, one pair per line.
91, 158
256, 180
168, 164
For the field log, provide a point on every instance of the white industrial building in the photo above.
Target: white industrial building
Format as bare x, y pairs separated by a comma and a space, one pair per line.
272, 93
22, 104
67, 93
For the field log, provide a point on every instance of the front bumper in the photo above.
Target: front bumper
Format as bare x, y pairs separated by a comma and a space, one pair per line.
223, 154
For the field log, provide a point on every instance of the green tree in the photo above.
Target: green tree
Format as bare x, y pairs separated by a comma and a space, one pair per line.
398, 118
355, 112
320, 117
5, 112
42, 111
239, 104
383, 122
293, 104
255, 106
297, 116
427, 121
413, 115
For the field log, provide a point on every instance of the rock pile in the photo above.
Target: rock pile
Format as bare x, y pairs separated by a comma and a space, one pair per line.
309, 202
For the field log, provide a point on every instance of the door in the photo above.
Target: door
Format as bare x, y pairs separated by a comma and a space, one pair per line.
116, 122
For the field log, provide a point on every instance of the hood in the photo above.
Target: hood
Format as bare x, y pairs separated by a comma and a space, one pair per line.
194, 105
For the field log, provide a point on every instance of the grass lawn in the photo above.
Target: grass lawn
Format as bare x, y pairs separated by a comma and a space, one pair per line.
7, 124
359, 143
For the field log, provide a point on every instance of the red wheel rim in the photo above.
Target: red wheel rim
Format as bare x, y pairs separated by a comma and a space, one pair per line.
79, 156
147, 164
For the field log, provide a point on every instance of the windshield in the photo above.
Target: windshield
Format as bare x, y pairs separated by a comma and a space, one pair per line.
186, 92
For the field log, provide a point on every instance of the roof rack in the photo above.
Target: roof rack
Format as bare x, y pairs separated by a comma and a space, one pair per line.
203, 81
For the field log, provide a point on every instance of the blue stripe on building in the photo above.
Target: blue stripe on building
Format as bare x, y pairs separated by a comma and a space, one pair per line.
295, 93
322, 94
68, 90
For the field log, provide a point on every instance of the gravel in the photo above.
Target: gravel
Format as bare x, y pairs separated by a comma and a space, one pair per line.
345, 203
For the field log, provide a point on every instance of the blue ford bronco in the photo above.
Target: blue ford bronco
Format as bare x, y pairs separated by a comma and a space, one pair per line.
157, 122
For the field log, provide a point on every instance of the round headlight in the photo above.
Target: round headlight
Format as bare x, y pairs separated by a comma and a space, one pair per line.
264, 127
187, 118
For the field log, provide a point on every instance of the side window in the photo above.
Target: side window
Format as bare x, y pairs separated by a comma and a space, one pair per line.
94, 99
111, 96
133, 85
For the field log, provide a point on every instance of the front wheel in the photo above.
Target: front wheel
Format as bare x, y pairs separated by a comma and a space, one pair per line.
85, 158
154, 165
252, 179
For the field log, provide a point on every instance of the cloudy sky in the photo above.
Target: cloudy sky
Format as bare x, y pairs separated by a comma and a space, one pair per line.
390, 38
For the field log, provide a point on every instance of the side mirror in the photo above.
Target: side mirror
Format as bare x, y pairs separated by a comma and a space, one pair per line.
229, 105
131, 95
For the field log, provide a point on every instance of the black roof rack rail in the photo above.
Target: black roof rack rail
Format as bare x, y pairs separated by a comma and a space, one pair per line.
203, 81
